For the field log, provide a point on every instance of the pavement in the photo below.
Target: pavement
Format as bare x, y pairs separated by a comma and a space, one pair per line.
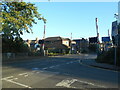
99, 65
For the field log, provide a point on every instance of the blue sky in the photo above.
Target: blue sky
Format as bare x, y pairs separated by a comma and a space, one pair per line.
78, 18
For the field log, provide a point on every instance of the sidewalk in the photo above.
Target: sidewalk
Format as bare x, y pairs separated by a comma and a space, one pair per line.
100, 65
18, 59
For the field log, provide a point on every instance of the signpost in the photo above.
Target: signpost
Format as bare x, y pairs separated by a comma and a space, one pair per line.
106, 39
93, 39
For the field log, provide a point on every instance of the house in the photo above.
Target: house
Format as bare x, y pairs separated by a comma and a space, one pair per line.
73, 49
33, 44
57, 44
81, 45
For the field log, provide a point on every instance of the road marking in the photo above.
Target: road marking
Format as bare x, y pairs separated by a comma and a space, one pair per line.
26, 75
57, 65
66, 74
37, 72
71, 62
11, 81
15, 78
68, 63
7, 77
23, 74
89, 83
52, 66
35, 68
20, 84
66, 83
45, 68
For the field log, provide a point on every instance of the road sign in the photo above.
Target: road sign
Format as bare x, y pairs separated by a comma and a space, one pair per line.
93, 39
106, 39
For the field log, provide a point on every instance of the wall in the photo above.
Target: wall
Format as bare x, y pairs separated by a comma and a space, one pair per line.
65, 42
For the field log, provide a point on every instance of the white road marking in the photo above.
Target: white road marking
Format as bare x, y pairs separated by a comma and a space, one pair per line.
22, 74
71, 62
11, 81
15, 78
35, 68
68, 63
26, 75
66, 74
7, 77
52, 66
51, 72
57, 65
89, 83
45, 68
66, 83
20, 84
37, 72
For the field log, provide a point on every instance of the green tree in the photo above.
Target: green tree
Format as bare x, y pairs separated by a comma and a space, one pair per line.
14, 46
17, 17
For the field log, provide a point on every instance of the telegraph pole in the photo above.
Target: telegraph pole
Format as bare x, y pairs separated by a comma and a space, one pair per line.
96, 21
97, 28
44, 39
71, 44
108, 33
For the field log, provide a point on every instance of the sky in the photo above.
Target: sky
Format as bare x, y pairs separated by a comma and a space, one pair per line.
78, 18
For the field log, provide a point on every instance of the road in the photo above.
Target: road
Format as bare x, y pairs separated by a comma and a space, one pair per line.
57, 72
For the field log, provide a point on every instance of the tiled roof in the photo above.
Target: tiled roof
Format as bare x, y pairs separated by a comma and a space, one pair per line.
53, 38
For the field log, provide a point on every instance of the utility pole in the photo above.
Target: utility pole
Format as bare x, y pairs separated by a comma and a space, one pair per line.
97, 28
96, 21
71, 44
108, 33
44, 39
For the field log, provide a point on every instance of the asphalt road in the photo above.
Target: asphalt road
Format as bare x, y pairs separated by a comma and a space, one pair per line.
57, 72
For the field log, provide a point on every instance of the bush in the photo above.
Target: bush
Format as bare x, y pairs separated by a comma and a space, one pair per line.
108, 56
92, 48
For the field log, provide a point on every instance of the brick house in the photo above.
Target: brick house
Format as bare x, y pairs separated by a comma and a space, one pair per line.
31, 44
57, 44
81, 45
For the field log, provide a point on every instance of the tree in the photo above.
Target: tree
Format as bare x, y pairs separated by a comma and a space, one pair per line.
14, 46
18, 17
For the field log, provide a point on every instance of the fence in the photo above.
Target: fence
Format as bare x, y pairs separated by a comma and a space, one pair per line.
7, 56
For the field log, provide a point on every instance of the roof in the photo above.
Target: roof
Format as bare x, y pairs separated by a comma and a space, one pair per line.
65, 38
53, 38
